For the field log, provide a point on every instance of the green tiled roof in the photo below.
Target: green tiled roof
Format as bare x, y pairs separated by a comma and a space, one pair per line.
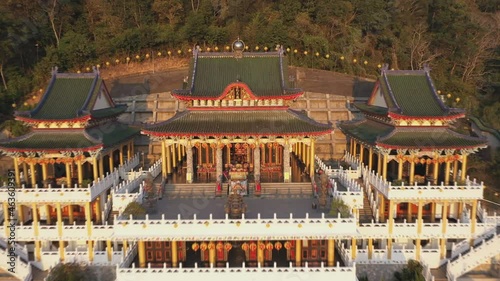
65, 97
276, 122
413, 93
429, 138
112, 133
212, 73
371, 108
366, 131
55, 140
107, 112
51, 140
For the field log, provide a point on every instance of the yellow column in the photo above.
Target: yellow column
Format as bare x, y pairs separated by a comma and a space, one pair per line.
391, 216
311, 161
6, 222
169, 161
228, 154
98, 210
389, 248
447, 173
260, 253
88, 218
473, 219
331, 252
444, 216
90, 245
409, 212
433, 212
361, 153
25, 172
80, 173
263, 155
175, 255
164, 160
384, 167
354, 249
38, 250
101, 165
121, 154
16, 171
298, 253
34, 211
141, 249
460, 207
129, 151
354, 148
455, 170
33, 174
400, 169
442, 248
47, 211
59, 219
412, 171
379, 164
211, 253
125, 246
381, 208
111, 162
174, 158
94, 168
370, 158
464, 167
68, 174
109, 250
179, 154
370, 248
19, 212
44, 171
419, 216
419, 249
70, 214
298, 150
61, 250
436, 168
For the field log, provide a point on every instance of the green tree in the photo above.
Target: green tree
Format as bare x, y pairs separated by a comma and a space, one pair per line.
135, 209
71, 272
411, 272
338, 206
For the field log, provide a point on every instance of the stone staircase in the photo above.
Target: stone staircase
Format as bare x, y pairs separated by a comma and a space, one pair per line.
285, 190
473, 258
199, 190
366, 214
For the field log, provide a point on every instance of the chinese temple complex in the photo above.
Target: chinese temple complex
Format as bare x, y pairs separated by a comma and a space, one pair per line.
237, 122
78, 192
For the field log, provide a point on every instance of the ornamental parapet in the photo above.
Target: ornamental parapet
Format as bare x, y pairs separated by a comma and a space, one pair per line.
69, 232
469, 191
237, 273
235, 229
402, 230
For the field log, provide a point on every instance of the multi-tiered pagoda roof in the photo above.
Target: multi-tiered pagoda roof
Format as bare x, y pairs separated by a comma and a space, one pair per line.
405, 112
76, 113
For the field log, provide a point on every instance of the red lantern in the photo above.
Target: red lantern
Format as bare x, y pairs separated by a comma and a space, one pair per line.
195, 246
244, 246
203, 246
269, 246
262, 246
253, 246
228, 246
288, 245
220, 246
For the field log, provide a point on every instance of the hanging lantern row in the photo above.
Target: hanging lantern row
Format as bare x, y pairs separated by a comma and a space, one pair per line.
180, 52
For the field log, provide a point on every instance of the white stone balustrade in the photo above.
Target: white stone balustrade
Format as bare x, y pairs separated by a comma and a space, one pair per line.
471, 190
22, 270
121, 200
69, 232
464, 245
233, 229
129, 165
73, 194
242, 274
129, 256
476, 256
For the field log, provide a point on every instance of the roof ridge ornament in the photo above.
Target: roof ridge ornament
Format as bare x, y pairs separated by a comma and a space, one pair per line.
238, 47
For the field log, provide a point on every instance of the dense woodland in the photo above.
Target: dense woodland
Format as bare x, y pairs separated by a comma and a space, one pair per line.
459, 39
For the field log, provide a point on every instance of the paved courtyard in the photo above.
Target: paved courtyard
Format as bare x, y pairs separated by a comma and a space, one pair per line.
267, 207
